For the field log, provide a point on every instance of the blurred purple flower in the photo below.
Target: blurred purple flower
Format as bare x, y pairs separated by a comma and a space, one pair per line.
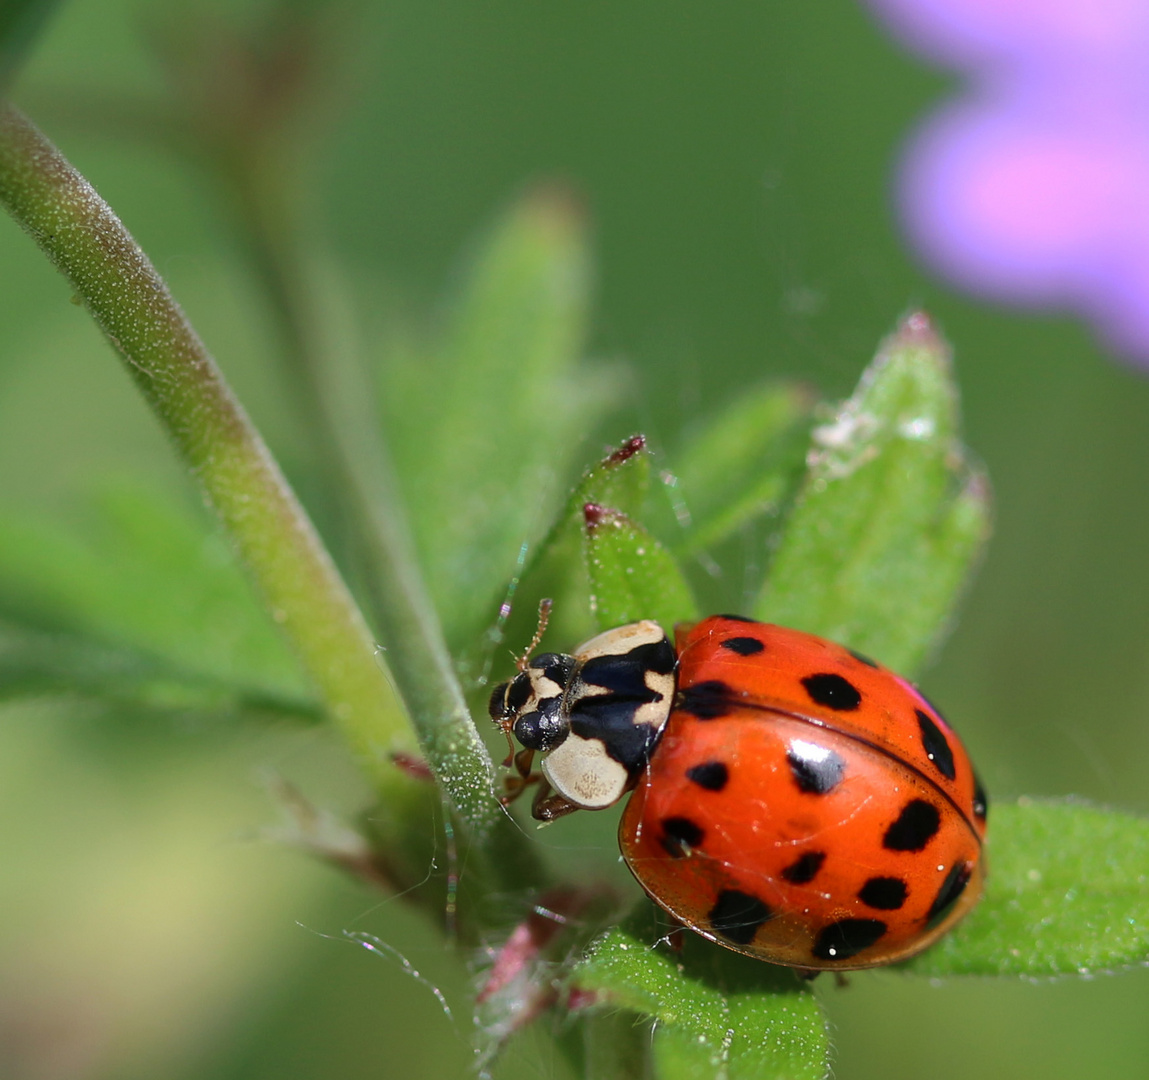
1035, 186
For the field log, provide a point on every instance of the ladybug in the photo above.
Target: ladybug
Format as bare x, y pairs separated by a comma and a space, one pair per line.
792, 799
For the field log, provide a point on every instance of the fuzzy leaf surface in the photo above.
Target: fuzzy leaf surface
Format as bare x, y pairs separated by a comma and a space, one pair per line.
1067, 893
718, 1016
891, 516
557, 566
632, 576
744, 464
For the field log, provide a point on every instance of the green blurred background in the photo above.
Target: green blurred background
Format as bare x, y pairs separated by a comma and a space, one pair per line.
735, 162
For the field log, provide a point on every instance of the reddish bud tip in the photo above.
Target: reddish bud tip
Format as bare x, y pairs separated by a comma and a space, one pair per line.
580, 998
628, 449
593, 514
413, 766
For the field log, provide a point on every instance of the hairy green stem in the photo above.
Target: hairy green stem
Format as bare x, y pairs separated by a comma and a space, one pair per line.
300, 585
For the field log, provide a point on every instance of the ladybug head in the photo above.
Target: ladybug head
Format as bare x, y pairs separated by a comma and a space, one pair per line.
531, 704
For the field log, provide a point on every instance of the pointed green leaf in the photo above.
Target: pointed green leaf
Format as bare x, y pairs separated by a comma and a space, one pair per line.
150, 575
891, 515
43, 665
485, 428
717, 1015
556, 567
1067, 893
744, 464
632, 576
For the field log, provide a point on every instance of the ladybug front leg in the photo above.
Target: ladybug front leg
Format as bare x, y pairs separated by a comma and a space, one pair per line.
515, 785
549, 805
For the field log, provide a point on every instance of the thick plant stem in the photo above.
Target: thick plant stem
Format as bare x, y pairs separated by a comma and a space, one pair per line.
300, 585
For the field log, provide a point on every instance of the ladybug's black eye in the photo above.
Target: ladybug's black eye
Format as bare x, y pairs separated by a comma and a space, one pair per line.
498, 702
519, 693
537, 731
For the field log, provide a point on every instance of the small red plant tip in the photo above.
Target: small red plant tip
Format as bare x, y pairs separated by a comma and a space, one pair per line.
918, 328
628, 449
581, 998
413, 766
593, 514
918, 322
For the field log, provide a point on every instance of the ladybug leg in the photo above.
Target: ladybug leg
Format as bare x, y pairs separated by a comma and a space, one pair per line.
549, 805
523, 778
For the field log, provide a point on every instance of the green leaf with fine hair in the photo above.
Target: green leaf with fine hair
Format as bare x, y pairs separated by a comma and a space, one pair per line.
152, 580
891, 516
484, 423
632, 576
1067, 893
744, 464
717, 1015
557, 566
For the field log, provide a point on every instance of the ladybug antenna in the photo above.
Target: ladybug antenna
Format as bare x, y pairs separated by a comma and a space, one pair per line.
544, 617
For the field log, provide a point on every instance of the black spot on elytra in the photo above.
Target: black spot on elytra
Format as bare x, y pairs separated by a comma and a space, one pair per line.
846, 938
817, 770
883, 893
833, 691
680, 835
952, 888
980, 799
736, 618
805, 868
916, 826
743, 646
862, 658
935, 744
711, 775
737, 916
707, 700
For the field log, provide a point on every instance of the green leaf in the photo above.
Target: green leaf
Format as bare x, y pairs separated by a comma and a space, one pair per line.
891, 516
717, 1015
557, 566
149, 575
744, 464
41, 665
20, 22
484, 429
1067, 893
632, 576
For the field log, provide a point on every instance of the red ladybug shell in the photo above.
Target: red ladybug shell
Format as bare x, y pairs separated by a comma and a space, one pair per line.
804, 805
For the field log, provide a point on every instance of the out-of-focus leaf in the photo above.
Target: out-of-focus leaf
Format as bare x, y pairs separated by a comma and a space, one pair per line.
717, 1015
484, 429
891, 516
1067, 893
150, 576
744, 464
20, 22
632, 576
38, 664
